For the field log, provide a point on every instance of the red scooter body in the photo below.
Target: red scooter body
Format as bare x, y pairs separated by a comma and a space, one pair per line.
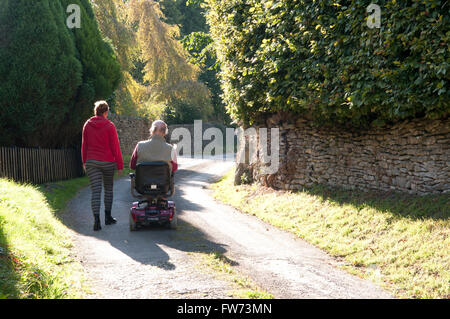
144, 214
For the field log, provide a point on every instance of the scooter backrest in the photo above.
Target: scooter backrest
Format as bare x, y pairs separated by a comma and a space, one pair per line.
153, 178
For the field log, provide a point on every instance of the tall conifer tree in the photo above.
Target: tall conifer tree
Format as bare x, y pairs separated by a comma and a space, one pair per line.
50, 74
39, 71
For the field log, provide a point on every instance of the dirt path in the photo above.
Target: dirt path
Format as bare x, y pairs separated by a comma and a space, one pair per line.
157, 263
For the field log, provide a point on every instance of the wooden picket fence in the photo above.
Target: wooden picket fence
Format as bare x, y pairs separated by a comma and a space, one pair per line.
38, 166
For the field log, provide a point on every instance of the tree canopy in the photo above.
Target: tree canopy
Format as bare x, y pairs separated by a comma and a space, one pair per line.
154, 63
188, 16
194, 35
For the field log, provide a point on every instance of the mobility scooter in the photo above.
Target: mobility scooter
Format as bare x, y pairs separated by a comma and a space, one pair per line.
153, 181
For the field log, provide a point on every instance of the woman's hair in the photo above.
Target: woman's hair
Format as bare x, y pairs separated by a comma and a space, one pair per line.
100, 108
159, 126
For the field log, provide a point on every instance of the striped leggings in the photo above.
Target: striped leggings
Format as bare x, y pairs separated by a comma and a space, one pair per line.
98, 170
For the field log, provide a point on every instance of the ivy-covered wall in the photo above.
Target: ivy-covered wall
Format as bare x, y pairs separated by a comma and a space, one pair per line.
321, 60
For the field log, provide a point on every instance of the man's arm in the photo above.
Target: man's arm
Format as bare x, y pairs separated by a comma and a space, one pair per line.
133, 160
174, 160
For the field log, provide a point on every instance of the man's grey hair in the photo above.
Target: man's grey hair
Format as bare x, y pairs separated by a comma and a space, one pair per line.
159, 126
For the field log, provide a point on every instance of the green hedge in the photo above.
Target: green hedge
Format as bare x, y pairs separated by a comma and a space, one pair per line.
50, 75
321, 60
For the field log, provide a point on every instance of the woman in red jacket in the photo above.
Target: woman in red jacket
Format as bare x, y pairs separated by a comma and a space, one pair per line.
101, 155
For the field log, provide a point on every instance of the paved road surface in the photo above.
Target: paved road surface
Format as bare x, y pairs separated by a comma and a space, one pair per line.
157, 263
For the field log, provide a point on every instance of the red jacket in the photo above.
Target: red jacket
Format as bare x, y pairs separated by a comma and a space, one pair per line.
100, 142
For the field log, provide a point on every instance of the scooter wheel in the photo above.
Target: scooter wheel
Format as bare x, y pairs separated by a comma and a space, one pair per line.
133, 225
173, 224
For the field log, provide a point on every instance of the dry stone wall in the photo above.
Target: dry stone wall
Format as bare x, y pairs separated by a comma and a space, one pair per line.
412, 156
130, 131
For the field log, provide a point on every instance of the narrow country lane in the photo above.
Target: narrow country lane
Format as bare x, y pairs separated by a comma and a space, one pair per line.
158, 263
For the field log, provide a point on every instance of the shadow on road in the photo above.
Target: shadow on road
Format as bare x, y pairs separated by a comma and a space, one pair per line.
148, 245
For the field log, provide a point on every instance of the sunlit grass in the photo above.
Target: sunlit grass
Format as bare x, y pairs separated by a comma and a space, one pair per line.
35, 246
36, 260
401, 242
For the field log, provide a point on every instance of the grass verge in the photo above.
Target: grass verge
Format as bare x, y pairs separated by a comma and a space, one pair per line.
35, 246
398, 241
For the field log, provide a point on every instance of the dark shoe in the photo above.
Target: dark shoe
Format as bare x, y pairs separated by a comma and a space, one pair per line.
108, 219
97, 222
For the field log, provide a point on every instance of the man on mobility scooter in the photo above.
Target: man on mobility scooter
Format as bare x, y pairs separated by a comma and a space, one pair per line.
155, 162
